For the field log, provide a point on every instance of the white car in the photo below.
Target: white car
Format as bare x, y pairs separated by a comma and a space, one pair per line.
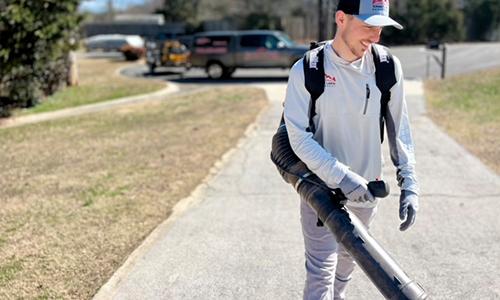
112, 42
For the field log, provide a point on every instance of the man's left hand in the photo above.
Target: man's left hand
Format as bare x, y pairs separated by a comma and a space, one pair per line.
408, 207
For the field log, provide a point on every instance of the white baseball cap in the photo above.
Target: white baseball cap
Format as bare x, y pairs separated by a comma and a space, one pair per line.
372, 12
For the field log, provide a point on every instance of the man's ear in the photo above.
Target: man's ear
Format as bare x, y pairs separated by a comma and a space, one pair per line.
340, 18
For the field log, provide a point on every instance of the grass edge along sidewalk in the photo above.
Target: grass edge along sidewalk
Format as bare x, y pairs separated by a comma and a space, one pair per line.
80, 194
99, 80
468, 108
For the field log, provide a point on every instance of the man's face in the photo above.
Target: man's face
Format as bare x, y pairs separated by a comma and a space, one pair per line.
358, 36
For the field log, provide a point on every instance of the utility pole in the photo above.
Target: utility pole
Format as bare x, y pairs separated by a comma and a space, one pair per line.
332, 10
326, 20
322, 17
110, 11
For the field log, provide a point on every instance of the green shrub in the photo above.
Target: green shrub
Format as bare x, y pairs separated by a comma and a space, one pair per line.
35, 39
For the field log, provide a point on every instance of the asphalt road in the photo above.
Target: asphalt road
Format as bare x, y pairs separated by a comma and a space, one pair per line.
461, 58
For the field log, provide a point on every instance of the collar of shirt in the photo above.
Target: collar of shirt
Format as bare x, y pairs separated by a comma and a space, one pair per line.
362, 65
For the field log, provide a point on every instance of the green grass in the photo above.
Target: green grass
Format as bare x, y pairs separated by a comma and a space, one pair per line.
100, 190
9, 270
82, 95
476, 95
468, 108
98, 82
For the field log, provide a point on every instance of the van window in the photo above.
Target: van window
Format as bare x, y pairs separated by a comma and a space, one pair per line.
286, 39
252, 41
259, 41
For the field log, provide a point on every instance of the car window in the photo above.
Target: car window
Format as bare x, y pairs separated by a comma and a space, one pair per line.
117, 43
271, 42
252, 41
259, 41
286, 39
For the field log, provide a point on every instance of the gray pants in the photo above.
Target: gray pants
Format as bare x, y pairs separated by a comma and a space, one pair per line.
328, 265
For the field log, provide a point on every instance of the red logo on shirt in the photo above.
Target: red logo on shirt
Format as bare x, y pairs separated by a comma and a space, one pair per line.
380, 2
330, 80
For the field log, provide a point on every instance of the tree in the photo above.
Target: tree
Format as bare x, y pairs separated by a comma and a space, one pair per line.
426, 20
245, 14
180, 11
35, 39
261, 21
482, 18
443, 21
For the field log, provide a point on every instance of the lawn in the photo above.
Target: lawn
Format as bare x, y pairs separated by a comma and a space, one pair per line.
78, 195
468, 108
98, 81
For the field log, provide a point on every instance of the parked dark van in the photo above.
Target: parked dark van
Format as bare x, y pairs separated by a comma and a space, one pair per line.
222, 52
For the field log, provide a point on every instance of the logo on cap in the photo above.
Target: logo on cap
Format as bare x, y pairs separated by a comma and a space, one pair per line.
380, 6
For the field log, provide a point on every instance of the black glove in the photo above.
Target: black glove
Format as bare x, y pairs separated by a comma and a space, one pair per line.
408, 207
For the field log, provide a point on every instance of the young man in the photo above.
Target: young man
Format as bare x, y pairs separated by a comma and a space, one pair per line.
345, 149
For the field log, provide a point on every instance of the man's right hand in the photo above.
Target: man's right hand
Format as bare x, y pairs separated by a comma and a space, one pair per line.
355, 188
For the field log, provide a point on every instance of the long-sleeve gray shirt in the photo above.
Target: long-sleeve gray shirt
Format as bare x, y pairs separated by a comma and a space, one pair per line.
347, 122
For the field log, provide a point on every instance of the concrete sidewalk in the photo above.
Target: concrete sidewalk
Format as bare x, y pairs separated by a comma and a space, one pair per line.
238, 236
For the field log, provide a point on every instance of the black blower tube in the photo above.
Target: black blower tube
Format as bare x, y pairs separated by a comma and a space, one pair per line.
378, 265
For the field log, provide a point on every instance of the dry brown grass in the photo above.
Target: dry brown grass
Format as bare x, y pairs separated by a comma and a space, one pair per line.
468, 108
92, 70
77, 196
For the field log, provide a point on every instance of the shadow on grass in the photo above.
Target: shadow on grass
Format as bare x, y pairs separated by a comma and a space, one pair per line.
195, 78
